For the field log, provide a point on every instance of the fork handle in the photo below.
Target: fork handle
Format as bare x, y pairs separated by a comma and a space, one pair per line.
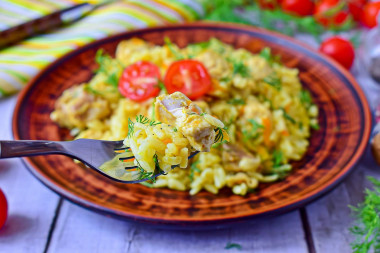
10, 149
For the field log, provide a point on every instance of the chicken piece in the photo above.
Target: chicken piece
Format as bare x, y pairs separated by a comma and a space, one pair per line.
77, 107
178, 110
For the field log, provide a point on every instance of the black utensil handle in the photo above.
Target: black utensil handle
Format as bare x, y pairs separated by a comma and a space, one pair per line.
10, 149
39, 25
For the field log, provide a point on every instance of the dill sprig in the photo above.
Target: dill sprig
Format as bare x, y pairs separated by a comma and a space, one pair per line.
173, 50
273, 81
367, 228
131, 128
219, 134
253, 133
288, 117
240, 68
305, 98
236, 101
277, 158
193, 169
144, 120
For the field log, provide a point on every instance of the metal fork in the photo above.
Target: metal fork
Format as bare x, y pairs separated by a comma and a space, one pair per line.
110, 158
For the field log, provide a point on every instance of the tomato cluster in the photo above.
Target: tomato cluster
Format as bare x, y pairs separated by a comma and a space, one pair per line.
329, 13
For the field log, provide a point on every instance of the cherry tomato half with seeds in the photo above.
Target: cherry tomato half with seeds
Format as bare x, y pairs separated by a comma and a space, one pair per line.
139, 81
339, 49
189, 77
370, 13
3, 209
298, 7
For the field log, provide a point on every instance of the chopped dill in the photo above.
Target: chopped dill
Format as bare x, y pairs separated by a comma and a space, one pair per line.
253, 133
113, 79
173, 50
233, 246
367, 227
131, 128
277, 158
88, 88
305, 97
175, 129
315, 126
219, 134
236, 101
288, 117
193, 169
266, 53
162, 86
147, 184
274, 81
241, 69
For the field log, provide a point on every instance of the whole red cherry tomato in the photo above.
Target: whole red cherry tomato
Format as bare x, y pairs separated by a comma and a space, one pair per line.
298, 7
189, 77
323, 15
139, 81
340, 49
370, 13
355, 7
3, 209
268, 4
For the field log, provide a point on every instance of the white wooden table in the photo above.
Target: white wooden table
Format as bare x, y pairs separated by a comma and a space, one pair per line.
41, 221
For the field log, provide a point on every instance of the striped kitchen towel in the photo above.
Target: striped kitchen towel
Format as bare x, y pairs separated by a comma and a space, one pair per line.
20, 63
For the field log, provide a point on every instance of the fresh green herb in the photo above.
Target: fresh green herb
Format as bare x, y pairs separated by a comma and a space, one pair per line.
241, 69
202, 114
253, 133
367, 228
193, 169
131, 128
273, 81
266, 54
219, 134
153, 111
142, 119
305, 97
162, 86
144, 174
172, 49
236, 101
233, 246
315, 126
88, 88
175, 129
288, 117
277, 158
147, 184
219, 144
225, 79
113, 79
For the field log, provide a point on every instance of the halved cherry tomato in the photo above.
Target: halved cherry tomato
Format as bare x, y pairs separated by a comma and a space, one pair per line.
370, 13
339, 49
3, 209
139, 81
189, 77
298, 7
322, 15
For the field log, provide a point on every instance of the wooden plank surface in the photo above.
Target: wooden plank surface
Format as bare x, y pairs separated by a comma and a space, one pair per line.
31, 205
79, 230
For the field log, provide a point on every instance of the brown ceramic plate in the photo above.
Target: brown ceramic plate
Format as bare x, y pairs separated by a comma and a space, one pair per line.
335, 148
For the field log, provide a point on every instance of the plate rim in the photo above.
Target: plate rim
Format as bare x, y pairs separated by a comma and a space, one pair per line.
170, 222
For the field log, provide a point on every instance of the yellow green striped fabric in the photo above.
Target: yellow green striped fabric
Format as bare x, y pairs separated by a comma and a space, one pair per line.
21, 62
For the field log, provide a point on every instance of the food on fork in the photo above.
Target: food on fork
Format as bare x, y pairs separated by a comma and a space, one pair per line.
181, 128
